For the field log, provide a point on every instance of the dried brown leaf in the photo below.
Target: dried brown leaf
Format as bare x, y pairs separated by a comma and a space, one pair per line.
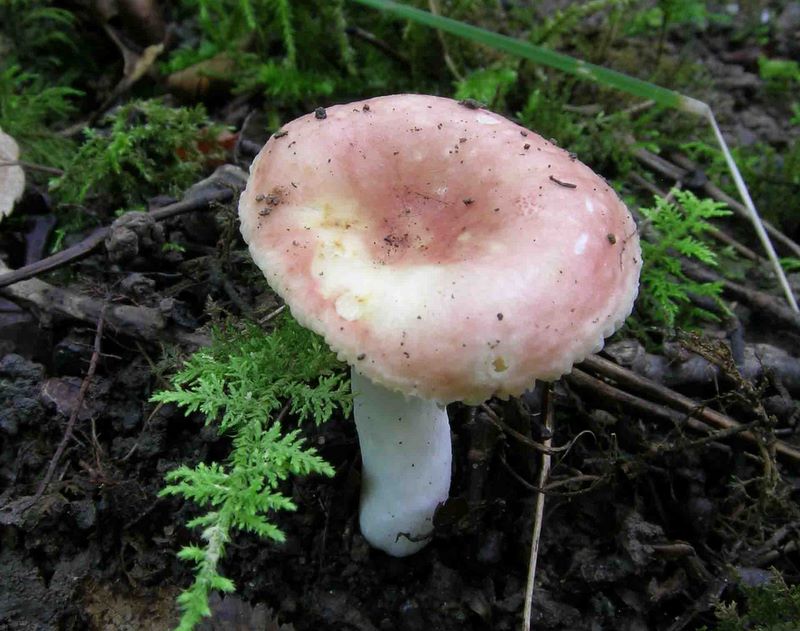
203, 78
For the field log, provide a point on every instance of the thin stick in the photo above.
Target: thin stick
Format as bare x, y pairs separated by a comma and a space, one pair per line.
761, 231
506, 428
698, 417
145, 323
538, 517
48, 476
59, 259
88, 245
670, 170
432, 5
764, 302
274, 314
714, 232
378, 43
33, 167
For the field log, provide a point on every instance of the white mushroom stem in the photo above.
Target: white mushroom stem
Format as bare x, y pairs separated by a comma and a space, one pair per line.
406, 456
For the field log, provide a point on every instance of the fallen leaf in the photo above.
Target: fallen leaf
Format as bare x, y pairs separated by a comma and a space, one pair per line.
12, 177
137, 63
203, 78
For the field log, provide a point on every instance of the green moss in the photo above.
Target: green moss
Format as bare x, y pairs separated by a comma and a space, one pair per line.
676, 228
668, 14
487, 85
291, 50
772, 175
239, 384
145, 148
29, 109
36, 35
773, 606
594, 136
781, 75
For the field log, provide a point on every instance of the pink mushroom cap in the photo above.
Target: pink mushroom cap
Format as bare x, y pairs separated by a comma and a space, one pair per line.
441, 249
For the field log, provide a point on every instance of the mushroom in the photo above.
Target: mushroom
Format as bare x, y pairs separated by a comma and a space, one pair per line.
447, 254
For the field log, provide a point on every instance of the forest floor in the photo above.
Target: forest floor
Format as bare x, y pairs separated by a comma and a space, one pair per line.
659, 510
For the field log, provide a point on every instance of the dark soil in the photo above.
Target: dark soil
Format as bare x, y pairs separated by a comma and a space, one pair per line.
663, 523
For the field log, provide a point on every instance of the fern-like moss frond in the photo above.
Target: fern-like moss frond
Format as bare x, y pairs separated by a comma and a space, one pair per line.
677, 227
239, 383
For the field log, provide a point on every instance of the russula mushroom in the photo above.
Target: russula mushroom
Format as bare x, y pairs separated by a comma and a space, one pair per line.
447, 254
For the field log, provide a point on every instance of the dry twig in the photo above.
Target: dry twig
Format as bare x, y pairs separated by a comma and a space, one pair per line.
525, 440
448, 60
674, 172
762, 301
538, 518
144, 323
695, 415
88, 245
87, 380
33, 167
715, 232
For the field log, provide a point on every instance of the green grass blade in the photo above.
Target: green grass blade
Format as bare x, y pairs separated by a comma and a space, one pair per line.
755, 217
538, 54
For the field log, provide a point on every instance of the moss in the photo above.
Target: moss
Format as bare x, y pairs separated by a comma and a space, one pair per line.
771, 606
29, 109
145, 148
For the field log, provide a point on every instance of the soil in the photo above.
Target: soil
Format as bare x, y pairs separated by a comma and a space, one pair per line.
661, 524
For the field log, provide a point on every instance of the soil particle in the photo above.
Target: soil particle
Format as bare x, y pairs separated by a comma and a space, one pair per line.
233, 614
589, 566
491, 550
120, 608
754, 125
147, 445
84, 513
19, 393
72, 353
552, 614
445, 583
25, 373
61, 395
636, 538
787, 31
139, 288
337, 609
471, 104
30, 600
19, 331
132, 235
410, 617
